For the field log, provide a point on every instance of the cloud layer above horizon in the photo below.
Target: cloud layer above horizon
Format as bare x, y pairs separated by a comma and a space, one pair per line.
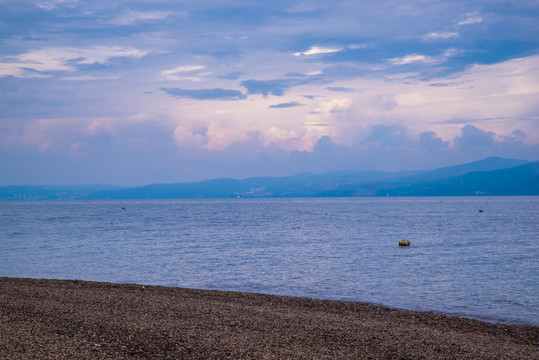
137, 92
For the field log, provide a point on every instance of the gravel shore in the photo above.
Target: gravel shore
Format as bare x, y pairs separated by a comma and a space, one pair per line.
71, 319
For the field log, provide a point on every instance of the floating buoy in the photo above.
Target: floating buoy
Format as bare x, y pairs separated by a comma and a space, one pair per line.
404, 242
123, 207
480, 210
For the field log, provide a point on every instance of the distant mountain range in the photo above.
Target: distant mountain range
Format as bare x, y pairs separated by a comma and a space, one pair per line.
493, 176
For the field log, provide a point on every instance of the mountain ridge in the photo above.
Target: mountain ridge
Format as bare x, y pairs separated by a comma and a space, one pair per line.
490, 176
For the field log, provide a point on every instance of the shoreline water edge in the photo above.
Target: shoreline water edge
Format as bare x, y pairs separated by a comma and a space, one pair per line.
42, 318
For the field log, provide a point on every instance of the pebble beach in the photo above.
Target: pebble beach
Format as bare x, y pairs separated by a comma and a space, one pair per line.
72, 319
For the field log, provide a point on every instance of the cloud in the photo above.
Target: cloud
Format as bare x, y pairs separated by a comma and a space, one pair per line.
90, 78
473, 137
359, 46
53, 4
444, 35
184, 72
387, 148
480, 143
471, 20
439, 35
232, 75
408, 59
418, 58
19, 70
132, 17
185, 68
185, 137
40, 63
317, 50
205, 94
429, 140
439, 84
267, 87
340, 89
387, 136
358, 64
145, 154
460, 120
286, 105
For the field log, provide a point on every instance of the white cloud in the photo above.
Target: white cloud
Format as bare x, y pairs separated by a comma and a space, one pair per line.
307, 7
410, 99
439, 35
471, 20
61, 133
358, 46
188, 137
184, 72
505, 91
502, 91
444, 35
90, 78
450, 52
279, 136
186, 68
38, 63
414, 58
317, 50
19, 70
408, 59
53, 4
132, 17
330, 118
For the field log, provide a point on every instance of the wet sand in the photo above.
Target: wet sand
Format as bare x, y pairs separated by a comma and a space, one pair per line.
70, 319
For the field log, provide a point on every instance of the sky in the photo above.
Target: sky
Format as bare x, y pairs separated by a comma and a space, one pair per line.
132, 92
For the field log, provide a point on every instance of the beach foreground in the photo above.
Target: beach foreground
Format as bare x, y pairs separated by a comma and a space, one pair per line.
71, 319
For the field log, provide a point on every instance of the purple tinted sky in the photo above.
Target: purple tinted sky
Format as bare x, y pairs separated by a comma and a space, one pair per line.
135, 92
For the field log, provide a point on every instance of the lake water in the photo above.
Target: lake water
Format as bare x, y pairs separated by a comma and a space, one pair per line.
461, 261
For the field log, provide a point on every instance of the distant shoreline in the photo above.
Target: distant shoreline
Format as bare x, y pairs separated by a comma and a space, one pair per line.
492, 176
30, 200
81, 319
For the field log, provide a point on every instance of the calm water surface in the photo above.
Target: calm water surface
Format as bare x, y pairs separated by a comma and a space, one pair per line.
465, 262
